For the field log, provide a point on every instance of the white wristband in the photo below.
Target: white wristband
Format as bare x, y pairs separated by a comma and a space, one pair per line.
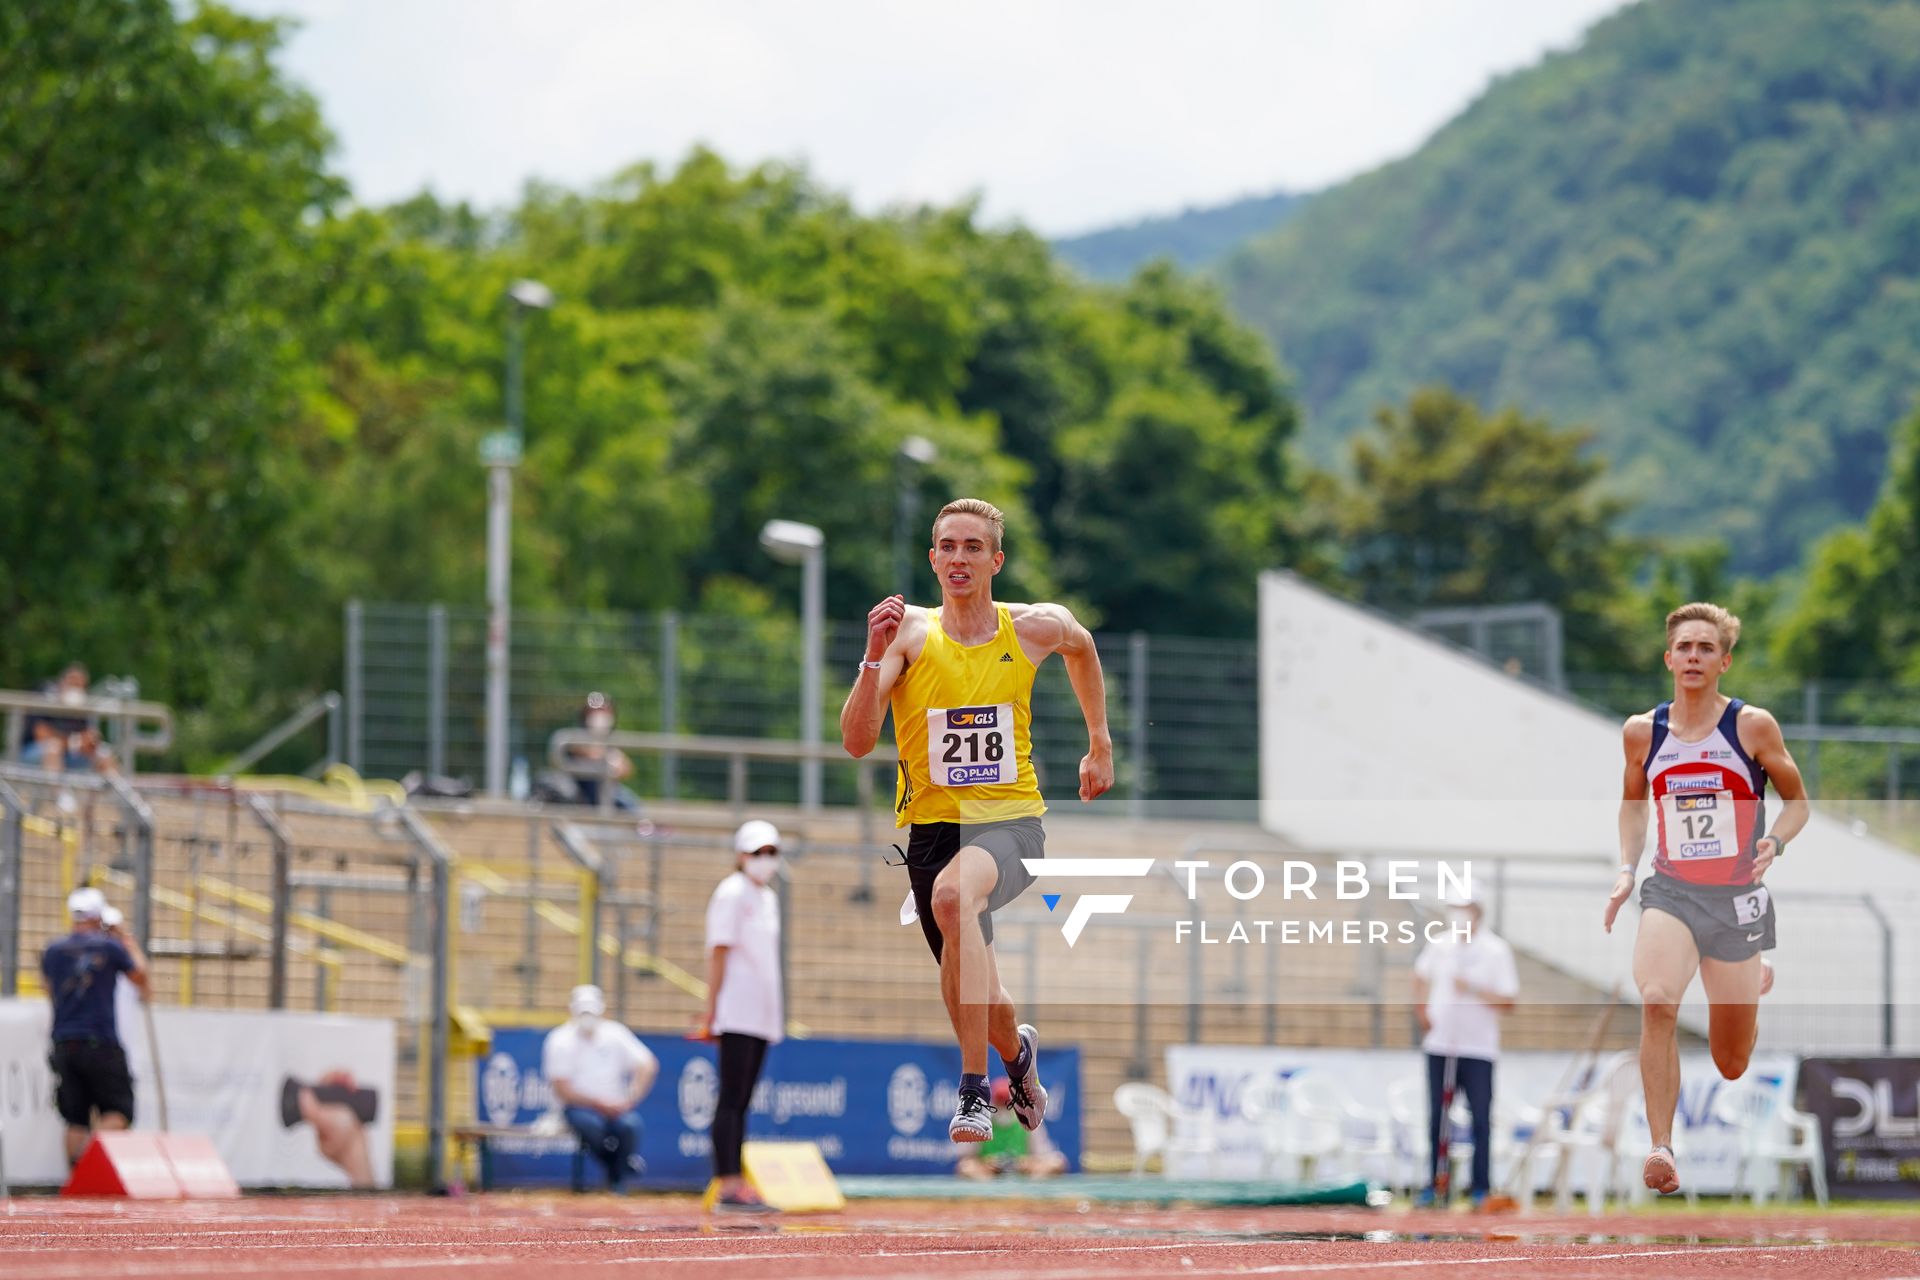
1630, 868
869, 666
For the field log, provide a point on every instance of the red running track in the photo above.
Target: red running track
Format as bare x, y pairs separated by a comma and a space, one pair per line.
500, 1236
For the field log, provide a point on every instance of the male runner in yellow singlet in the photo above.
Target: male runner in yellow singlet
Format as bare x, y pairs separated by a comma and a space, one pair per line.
1704, 760
960, 681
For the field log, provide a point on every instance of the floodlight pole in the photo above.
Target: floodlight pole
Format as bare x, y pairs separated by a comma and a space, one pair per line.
789, 541
500, 452
914, 452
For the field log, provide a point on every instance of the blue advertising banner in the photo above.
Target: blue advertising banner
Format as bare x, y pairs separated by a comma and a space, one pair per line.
873, 1106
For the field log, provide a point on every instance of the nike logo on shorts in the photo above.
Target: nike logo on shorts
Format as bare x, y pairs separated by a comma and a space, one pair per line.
1753, 937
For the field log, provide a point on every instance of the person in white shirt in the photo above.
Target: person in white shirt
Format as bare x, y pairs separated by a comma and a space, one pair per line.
744, 1010
1462, 990
599, 1071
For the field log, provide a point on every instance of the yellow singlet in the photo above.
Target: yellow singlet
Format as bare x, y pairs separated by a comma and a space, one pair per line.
973, 705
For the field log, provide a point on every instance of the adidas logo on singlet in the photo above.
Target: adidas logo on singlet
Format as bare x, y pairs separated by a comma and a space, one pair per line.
1006, 657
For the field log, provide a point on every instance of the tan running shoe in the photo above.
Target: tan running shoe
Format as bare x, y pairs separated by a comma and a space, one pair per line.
1662, 1171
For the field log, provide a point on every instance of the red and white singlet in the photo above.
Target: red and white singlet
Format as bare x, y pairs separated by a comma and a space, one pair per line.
1711, 798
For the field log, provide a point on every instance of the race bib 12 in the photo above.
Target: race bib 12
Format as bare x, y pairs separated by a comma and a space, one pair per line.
1700, 825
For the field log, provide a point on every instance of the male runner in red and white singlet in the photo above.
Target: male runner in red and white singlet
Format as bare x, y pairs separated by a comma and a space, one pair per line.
1704, 759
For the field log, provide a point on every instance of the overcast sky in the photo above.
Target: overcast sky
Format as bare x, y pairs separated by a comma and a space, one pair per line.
1065, 114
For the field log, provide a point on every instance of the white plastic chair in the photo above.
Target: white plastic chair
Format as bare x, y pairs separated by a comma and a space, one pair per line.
1511, 1120
1291, 1128
1590, 1124
1772, 1132
1361, 1134
1162, 1127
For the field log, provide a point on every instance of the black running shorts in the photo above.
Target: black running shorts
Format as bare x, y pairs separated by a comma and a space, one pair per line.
932, 845
1729, 922
93, 1077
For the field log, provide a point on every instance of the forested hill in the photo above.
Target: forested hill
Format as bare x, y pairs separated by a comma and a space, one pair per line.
1192, 239
1698, 232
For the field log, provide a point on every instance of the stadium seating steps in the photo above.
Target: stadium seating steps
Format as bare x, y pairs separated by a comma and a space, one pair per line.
854, 971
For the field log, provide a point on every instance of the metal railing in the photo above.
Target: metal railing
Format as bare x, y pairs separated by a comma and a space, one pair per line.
138, 728
603, 896
327, 704
13, 839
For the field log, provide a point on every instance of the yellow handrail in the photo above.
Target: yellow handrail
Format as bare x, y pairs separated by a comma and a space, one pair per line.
344, 935
332, 961
339, 785
490, 878
69, 852
493, 882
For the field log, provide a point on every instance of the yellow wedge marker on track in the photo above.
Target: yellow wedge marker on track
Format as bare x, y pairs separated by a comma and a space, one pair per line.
791, 1176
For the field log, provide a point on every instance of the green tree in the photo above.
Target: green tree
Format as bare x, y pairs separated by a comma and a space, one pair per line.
1697, 232
775, 423
157, 185
1451, 506
1180, 491
1858, 617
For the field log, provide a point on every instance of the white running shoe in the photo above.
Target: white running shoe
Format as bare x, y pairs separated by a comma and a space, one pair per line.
1028, 1095
972, 1119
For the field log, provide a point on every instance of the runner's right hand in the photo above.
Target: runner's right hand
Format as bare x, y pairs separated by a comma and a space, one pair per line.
883, 623
1622, 890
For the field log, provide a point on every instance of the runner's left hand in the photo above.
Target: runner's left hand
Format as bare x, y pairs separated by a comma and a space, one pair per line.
1764, 850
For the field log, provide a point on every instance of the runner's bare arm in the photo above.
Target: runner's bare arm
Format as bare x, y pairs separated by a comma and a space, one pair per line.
1636, 738
1074, 644
866, 706
1760, 737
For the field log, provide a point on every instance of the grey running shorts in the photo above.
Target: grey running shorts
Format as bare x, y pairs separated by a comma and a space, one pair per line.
1729, 922
932, 845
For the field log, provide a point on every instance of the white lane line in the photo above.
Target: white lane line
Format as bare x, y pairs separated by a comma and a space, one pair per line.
95, 1270
1310, 1268
1014, 1245
798, 1247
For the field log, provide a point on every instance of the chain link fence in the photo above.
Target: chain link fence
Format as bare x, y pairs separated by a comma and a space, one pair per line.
1182, 711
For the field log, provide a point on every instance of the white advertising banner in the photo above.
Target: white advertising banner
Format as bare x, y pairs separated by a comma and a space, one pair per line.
289, 1099
1213, 1079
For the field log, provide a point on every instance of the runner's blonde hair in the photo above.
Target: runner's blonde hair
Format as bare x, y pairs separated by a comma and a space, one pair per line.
1700, 611
974, 507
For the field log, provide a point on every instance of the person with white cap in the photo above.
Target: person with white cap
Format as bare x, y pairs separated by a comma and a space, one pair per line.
1463, 983
599, 1071
80, 971
744, 1011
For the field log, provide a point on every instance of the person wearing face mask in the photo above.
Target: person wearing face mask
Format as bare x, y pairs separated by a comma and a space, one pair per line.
1464, 982
744, 1010
599, 1071
612, 765
57, 743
